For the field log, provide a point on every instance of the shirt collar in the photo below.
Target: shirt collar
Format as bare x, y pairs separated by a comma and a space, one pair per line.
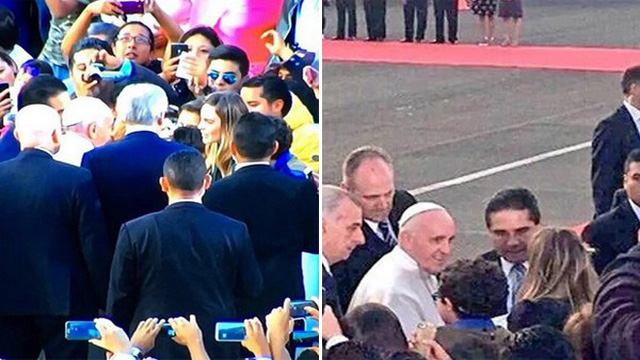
635, 112
251, 163
507, 265
44, 149
635, 208
325, 264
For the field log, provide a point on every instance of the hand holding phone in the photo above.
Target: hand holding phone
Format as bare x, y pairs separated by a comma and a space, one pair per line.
256, 340
132, 6
230, 332
81, 330
187, 332
298, 308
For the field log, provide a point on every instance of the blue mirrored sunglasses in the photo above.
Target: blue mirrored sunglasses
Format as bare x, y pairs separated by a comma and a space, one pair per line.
228, 77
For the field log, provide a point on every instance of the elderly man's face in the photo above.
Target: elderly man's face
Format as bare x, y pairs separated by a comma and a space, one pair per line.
428, 239
341, 231
372, 184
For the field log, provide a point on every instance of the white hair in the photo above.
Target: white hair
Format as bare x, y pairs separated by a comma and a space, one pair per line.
35, 124
85, 110
141, 104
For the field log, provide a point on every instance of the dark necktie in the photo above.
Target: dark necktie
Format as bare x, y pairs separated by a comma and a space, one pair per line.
387, 236
517, 275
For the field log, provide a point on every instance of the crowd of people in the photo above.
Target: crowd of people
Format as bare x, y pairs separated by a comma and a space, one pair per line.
415, 20
152, 173
541, 293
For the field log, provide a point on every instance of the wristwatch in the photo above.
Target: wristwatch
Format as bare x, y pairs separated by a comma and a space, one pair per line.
137, 353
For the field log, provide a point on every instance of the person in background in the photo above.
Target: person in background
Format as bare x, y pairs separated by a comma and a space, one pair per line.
450, 8
538, 342
579, 330
375, 12
190, 136
283, 160
8, 71
414, 10
560, 280
228, 68
87, 124
344, 9
511, 12
9, 33
190, 112
485, 9
219, 114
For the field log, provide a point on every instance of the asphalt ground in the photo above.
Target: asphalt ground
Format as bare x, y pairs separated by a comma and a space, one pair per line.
443, 123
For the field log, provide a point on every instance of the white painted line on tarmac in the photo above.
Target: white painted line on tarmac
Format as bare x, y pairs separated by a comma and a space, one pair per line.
498, 169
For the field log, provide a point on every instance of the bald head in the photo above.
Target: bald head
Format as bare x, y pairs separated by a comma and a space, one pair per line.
38, 126
426, 234
89, 117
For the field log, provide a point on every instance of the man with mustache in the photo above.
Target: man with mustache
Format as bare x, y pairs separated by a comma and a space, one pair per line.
512, 217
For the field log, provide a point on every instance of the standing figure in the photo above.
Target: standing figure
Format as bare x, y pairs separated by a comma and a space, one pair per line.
511, 13
346, 8
375, 12
419, 9
450, 8
485, 9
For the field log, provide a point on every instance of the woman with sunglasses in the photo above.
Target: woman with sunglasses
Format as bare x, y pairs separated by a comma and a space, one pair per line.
220, 112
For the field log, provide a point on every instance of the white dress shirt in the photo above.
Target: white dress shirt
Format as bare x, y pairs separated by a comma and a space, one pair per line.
635, 208
72, 148
397, 281
635, 113
376, 228
249, 163
506, 268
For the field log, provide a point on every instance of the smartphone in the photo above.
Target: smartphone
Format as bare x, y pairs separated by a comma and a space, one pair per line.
81, 330
167, 330
297, 308
4, 86
305, 338
230, 332
178, 48
132, 6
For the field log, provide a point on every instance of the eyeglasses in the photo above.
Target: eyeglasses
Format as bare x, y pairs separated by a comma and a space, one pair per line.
228, 77
138, 40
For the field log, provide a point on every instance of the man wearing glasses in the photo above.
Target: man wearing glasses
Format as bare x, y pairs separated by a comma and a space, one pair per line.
228, 68
512, 217
134, 41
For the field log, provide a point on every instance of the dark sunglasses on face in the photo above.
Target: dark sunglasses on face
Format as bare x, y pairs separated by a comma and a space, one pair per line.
228, 77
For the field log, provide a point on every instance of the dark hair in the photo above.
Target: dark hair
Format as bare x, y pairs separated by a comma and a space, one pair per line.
513, 199
35, 67
39, 90
254, 135
284, 137
102, 28
273, 88
538, 342
233, 54
151, 40
88, 43
4, 56
634, 156
193, 105
185, 170
205, 31
9, 30
476, 288
375, 325
190, 136
631, 76
352, 350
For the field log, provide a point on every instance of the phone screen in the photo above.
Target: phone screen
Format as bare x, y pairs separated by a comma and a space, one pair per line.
4, 86
230, 331
178, 48
297, 308
132, 7
81, 330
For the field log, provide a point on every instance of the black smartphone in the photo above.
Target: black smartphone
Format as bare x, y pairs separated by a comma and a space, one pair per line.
132, 7
167, 330
81, 330
178, 48
4, 86
297, 308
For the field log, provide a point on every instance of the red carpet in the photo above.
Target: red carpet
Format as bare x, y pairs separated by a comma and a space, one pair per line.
524, 57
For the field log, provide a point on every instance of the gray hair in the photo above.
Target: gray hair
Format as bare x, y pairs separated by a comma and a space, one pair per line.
332, 196
359, 155
141, 104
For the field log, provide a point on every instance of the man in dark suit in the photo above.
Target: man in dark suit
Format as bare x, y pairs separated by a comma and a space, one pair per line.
183, 260
613, 139
281, 212
126, 172
54, 254
417, 9
346, 8
512, 217
616, 231
375, 12
368, 176
450, 8
341, 233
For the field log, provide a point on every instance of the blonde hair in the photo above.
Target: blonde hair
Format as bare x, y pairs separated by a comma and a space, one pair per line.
559, 268
229, 107
579, 331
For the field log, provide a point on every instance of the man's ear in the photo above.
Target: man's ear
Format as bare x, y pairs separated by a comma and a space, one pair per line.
276, 146
164, 184
92, 130
278, 105
234, 149
55, 137
207, 181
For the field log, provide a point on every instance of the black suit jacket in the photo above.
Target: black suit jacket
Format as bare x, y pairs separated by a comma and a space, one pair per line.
180, 261
350, 272
330, 294
612, 234
281, 213
493, 257
53, 248
126, 175
613, 139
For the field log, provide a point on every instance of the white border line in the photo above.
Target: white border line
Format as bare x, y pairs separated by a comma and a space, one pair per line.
498, 169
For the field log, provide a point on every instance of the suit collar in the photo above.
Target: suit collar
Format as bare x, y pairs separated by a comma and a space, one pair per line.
253, 168
142, 134
32, 152
625, 210
185, 204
